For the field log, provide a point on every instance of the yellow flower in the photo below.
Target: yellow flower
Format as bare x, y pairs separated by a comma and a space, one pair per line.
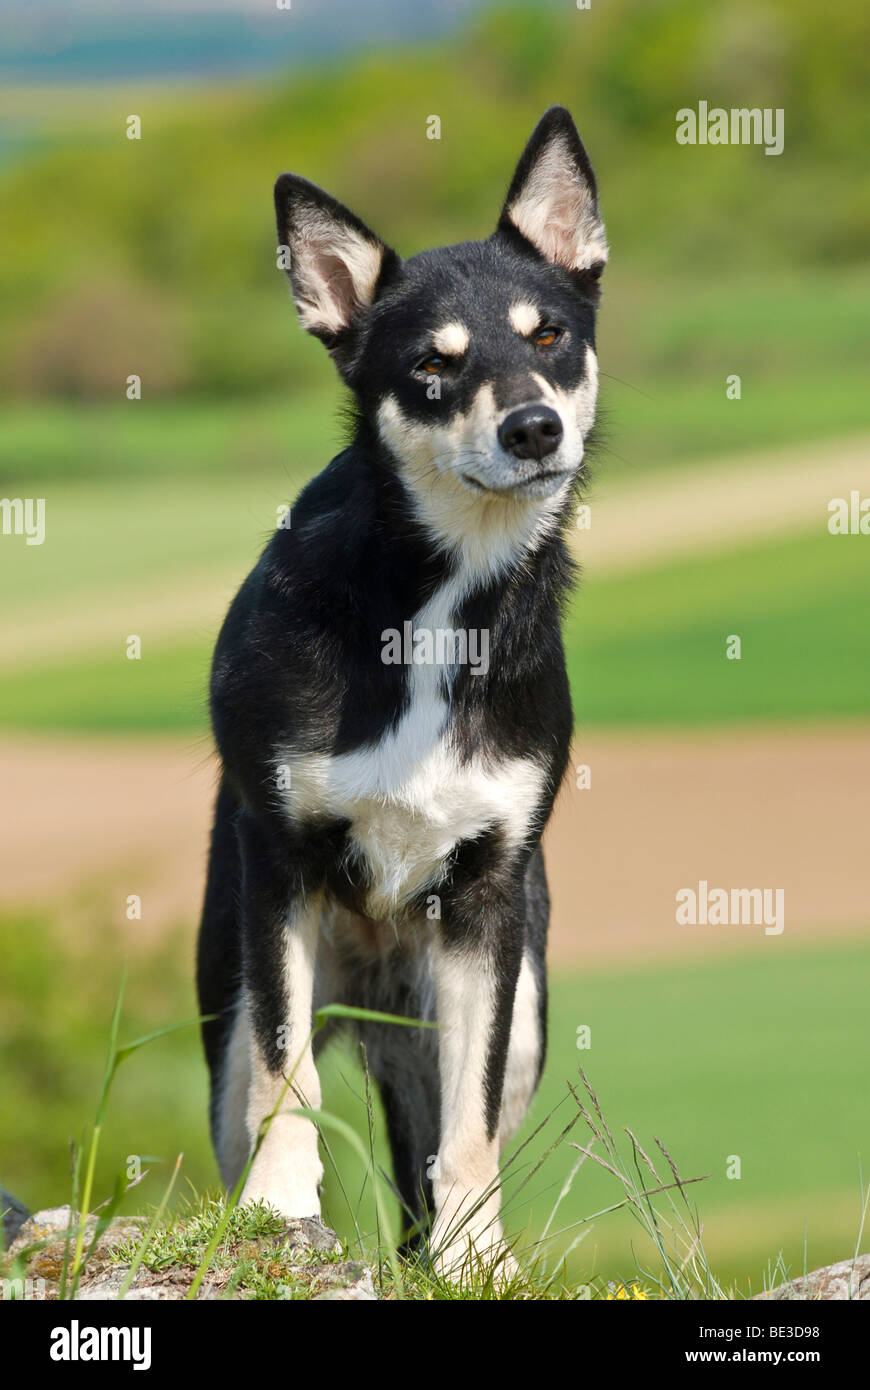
633, 1292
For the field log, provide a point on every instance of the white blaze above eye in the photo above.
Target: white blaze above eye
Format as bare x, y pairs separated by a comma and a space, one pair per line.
452, 339
524, 318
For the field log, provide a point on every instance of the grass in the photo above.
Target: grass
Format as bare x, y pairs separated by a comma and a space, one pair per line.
223, 1244
760, 1059
650, 646
108, 541
253, 1256
249, 1252
679, 421
666, 351
223, 1240
193, 440
166, 691
754, 1054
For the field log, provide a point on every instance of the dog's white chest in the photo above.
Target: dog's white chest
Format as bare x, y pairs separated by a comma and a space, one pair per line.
409, 801
411, 798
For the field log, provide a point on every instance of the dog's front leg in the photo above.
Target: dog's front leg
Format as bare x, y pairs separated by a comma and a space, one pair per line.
477, 965
280, 925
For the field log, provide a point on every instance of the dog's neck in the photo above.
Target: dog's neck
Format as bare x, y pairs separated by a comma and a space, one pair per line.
479, 543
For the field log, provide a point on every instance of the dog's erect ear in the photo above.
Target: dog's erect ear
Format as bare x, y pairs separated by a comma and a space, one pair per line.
335, 262
553, 199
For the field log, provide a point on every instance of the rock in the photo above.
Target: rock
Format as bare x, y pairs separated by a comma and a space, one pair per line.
53, 1221
15, 1214
108, 1286
47, 1232
349, 1282
309, 1233
850, 1279
148, 1286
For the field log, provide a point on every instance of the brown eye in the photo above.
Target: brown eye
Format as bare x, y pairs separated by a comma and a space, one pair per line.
546, 337
432, 365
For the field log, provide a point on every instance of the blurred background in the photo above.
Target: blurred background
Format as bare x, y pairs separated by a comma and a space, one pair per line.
156, 257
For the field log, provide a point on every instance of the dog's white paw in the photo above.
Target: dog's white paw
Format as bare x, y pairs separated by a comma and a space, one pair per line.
288, 1182
473, 1249
294, 1204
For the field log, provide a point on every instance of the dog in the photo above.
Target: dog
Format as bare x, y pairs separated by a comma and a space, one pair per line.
391, 706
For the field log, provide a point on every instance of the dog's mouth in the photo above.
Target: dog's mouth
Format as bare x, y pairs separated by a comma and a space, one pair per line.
542, 483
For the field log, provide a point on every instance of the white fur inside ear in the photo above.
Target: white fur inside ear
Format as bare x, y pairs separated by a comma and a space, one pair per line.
333, 270
556, 212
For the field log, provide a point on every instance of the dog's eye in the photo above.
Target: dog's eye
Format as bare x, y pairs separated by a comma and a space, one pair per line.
547, 337
433, 365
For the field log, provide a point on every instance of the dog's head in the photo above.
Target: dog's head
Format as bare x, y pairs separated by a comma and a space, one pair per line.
475, 363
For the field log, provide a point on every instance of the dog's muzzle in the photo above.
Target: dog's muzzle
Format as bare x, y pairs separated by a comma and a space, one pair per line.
526, 464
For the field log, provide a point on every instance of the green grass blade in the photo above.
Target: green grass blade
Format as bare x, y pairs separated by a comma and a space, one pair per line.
149, 1234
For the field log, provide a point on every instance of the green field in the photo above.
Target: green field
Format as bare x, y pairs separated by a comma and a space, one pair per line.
672, 1052
650, 647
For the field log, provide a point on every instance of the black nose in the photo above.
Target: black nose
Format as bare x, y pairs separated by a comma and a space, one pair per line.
531, 432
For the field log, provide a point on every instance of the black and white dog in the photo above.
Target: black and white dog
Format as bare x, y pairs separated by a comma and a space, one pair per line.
391, 707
